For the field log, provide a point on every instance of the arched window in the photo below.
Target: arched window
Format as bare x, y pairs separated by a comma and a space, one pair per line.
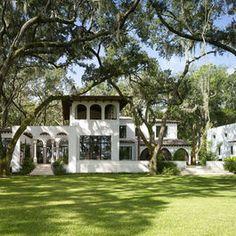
45, 134
81, 112
144, 155
110, 112
95, 112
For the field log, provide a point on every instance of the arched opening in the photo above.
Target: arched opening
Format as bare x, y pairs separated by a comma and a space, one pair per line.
39, 151
63, 150
180, 155
110, 112
61, 134
81, 112
50, 150
145, 156
25, 151
165, 155
95, 112
45, 134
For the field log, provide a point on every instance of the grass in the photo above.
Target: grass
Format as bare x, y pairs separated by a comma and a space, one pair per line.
118, 204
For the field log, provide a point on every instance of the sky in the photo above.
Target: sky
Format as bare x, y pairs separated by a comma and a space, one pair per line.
175, 64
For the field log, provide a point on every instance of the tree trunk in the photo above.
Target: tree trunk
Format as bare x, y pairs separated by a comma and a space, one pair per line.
194, 145
153, 160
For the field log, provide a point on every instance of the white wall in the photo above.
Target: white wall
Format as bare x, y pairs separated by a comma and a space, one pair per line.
217, 138
130, 130
88, 166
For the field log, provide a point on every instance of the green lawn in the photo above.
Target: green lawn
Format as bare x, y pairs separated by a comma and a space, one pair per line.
122, 204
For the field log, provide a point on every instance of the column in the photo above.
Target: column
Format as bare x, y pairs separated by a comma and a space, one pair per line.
35, 151
44, 153
57, 150
52, 149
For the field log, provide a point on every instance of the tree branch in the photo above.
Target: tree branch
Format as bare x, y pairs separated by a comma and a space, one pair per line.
191, 37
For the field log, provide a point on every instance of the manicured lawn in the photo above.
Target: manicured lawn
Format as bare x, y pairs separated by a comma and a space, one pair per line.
123, 204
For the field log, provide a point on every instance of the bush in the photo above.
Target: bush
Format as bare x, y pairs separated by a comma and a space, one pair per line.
206, 156
180, 155
230, 164
167, 168
27, 166
58, 167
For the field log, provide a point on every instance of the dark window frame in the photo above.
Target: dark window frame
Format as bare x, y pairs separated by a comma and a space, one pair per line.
110, 112
123, 131
95, 147
158, 128
81, 114
122, 153
95, 114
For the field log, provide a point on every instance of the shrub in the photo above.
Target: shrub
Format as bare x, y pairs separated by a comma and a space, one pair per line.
65, 158
205, 156
167, 168
230, 164
27, 166
58, 167
180, 155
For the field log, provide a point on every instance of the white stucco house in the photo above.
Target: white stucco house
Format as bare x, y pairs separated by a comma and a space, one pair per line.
222, 140
97, 138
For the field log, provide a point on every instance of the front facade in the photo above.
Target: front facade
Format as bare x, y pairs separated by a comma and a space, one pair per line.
222, 141
97, 139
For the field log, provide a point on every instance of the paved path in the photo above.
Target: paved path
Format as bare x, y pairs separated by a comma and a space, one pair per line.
42, 169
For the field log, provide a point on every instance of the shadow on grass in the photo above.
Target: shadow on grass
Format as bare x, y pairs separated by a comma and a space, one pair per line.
101, 204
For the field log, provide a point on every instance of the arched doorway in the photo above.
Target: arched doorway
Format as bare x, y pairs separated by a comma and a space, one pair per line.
144, 155
165, 155
181, 155
63, 150
50, 149
39, 151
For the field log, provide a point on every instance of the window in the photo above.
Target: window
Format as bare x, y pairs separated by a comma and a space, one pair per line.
123, 131
95, 112
110, 112
213, 136
219, 150
81, 112
126, 153
158, 128
95, 148
231, 150
5, 142
226, 135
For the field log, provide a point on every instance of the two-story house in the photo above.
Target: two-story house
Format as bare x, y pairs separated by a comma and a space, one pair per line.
97, 138
222, 141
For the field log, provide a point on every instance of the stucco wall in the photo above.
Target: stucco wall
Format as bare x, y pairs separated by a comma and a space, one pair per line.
112, 166
223, 137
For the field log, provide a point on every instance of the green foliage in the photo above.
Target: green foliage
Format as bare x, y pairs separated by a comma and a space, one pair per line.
167, 168
58, 167
205, 156
180, 155
65, 158
27, 166
230, 164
